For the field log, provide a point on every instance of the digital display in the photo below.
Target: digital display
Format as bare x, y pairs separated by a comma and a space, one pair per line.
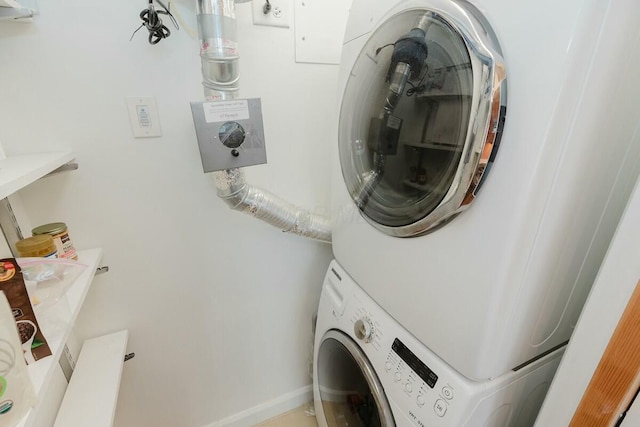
423, 371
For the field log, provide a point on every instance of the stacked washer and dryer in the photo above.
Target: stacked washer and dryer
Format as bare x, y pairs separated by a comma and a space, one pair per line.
486, 150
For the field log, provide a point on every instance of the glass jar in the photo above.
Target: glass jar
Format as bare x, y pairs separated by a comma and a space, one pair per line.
58, 231
37, 246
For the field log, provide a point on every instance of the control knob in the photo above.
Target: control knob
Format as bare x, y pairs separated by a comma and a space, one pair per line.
363, 328
232, 135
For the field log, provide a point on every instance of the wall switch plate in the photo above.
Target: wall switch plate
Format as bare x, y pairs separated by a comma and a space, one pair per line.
278, 16
143, 115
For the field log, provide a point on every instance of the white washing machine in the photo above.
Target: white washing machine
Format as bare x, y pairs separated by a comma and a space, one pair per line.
485, 255
369, 371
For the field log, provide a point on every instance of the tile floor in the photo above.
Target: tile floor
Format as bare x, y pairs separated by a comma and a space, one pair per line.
294, 418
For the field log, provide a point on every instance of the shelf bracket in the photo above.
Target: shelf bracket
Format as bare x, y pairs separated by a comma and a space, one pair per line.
102, 270
71, 166
9, 225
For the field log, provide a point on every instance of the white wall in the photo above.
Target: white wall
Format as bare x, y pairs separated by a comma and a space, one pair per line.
218, 304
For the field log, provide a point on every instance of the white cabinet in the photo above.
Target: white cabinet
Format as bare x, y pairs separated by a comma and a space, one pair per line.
92, 386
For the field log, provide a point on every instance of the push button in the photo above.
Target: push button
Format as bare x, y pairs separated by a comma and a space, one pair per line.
440, 408
420, 400
447, 392
408, 387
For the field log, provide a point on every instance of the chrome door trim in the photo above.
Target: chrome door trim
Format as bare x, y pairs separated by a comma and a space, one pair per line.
384, 409
487, 115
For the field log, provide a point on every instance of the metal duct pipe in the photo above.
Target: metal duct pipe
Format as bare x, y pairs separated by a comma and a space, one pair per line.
218, 49
219, 57
261, 204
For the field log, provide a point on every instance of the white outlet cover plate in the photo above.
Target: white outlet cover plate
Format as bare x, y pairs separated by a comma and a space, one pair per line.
143, 116
279, 16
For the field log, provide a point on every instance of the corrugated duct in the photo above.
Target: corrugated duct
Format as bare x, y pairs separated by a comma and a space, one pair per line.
219, 56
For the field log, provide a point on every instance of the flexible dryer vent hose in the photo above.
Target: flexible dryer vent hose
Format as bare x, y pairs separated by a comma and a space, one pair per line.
219, 57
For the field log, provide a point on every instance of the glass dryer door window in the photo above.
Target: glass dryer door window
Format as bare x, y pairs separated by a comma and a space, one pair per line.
421, 115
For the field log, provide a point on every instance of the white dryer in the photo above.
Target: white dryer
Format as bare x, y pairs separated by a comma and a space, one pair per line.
370, 372
424, 108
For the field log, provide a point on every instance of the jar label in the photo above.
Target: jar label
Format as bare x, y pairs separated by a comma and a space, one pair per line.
64, 246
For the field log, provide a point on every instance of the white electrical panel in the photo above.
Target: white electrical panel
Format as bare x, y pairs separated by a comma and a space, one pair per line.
319, 30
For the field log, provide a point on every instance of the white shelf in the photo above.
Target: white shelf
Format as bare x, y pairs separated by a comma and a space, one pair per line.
19, 171
56, 322
17, 10
90, 399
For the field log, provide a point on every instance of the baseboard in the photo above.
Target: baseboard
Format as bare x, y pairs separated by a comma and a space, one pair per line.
269, 409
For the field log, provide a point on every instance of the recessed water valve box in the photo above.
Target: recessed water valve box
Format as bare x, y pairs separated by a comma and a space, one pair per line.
230, 133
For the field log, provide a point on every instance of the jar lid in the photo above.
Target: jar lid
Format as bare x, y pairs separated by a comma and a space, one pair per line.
34, 243
52, 228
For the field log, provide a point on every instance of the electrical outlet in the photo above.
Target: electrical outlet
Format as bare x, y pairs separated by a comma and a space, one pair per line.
278, 15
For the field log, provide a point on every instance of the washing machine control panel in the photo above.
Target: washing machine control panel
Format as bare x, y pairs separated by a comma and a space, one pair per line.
424, 394
416, 365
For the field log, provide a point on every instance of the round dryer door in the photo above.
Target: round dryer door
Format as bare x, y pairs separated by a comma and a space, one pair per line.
350, 390
421, 117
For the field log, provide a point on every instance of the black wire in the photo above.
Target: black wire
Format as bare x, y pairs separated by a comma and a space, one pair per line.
415, 89
152, 21
421, 86
382, 47
167, 11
